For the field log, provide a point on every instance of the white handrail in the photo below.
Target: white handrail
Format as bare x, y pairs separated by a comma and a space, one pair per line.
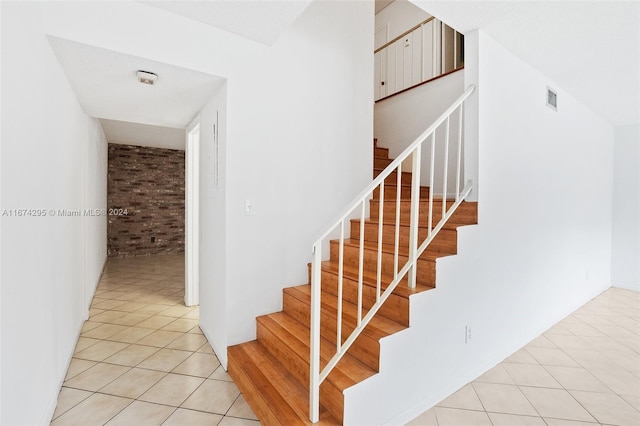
416, 248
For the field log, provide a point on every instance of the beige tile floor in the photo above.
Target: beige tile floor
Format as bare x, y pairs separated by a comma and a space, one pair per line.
583, 371
141, 358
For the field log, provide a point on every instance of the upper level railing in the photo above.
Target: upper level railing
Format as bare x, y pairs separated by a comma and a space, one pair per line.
424, 52
358, 209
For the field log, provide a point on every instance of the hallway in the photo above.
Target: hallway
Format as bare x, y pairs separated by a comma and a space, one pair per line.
141, 357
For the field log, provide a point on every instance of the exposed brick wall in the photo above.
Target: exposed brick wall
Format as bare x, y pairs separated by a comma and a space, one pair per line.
149, 183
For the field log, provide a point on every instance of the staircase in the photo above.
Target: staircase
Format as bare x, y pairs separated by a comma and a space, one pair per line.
273, 371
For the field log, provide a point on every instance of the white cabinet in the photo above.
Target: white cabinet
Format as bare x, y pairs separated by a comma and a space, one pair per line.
415, 57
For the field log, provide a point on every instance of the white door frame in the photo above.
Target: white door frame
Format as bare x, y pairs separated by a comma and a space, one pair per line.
192, 211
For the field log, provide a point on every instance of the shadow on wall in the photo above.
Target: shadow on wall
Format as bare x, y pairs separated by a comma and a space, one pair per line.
145, 201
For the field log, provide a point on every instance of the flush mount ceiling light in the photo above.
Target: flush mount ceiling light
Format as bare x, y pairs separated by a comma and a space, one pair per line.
146, 77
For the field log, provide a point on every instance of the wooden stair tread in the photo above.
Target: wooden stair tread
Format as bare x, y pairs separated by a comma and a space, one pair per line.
377, 328
402, 184
285, 398
370, 279
347, 372
427, 255
404, 224
379, 170
437, 200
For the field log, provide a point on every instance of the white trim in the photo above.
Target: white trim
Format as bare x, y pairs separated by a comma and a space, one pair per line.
626, 286
50, 410
192, 210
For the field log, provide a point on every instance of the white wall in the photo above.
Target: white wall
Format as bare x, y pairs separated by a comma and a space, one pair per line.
299, 147
399, 119
625, 261
213, 223
542, 247
53, 157
399, 16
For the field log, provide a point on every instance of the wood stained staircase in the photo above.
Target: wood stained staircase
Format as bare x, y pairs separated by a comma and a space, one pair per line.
273, 371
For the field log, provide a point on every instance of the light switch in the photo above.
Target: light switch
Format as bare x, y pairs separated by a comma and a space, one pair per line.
248, 208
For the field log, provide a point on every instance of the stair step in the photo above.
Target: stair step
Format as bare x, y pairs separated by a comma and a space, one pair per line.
466, 213
366, 348
391, 191
270, 390
379, 152
378, 328
288, 341
396, 308
446, 241
426, 272
381, 163
369, 279
393, 177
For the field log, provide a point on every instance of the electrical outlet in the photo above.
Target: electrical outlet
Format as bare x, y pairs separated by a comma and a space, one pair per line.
467, 334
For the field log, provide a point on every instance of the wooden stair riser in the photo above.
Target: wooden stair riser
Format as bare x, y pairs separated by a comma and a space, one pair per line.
426, 268
381, 163
393, 177
274, 397
258, 403
380, 152
378, 327
330, 396
464, 214
280, 349
365, 348
396, 308
391, 191
445, 242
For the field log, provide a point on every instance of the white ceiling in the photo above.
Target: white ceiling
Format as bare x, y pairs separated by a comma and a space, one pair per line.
258, 20
125, 133
106, 86
591, 49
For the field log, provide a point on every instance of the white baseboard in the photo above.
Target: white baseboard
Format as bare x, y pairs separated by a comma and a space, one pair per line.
53, 400
221, 353
627, 286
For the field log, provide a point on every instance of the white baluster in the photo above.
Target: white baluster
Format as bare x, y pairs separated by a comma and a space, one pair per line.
415, 211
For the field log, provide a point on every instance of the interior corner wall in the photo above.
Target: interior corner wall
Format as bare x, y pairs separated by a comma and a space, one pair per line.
541, 249
53, 157
625, 260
